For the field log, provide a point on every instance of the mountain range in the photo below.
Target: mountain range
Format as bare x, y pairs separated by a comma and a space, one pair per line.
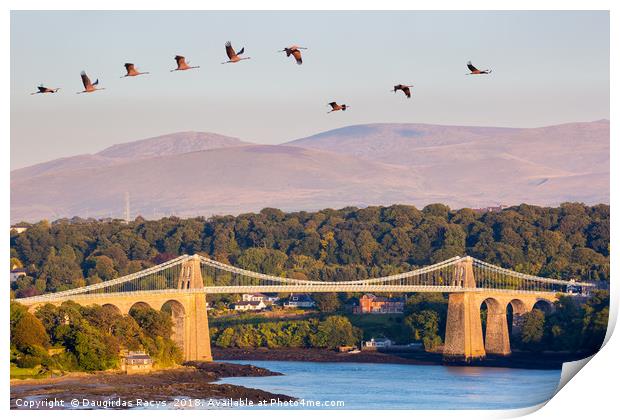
193, 173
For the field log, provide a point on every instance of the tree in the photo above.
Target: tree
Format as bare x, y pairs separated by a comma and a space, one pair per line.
101, 317
424, 327
28, 331
327, 302
532, 329
335, 331
102, 268
153, 323
263, 260
564, 325
61, 271
94, 350
225, 338
595, 321
15, 263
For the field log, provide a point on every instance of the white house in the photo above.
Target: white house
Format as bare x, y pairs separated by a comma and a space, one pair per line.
245, 305
378, 343
17, 273
20, 227
253, 297
298, 301
259, 297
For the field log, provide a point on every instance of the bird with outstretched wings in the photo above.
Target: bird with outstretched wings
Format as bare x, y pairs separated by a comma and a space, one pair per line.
181, 64
294, 50
474, 70
43, 89
230, 52
336, 107
88, 85
86, 81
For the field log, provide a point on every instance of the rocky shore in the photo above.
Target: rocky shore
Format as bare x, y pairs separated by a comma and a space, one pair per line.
518, 360
320, 355
163, 388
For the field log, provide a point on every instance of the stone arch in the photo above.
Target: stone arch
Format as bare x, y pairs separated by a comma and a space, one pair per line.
138, 305
487, 304
178, 314
496, 340
544, 305
515, 309
112, 307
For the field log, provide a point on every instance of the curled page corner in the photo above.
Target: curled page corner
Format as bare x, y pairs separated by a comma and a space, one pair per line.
569, 370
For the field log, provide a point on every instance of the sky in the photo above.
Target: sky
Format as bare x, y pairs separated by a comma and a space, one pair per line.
549, 67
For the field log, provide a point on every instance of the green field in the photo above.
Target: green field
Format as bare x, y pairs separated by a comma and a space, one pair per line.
25, 373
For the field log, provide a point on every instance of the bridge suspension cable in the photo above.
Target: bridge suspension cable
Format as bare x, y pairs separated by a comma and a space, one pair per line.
446, 276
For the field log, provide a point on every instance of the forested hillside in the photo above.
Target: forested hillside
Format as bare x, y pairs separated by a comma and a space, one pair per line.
565, 242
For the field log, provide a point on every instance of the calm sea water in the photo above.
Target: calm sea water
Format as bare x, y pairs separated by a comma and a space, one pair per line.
393, 386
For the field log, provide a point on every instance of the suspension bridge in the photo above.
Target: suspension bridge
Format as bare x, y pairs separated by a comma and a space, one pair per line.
180, 286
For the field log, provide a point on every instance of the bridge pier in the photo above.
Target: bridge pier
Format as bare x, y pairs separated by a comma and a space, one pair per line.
496, 340
463, 329
197, 339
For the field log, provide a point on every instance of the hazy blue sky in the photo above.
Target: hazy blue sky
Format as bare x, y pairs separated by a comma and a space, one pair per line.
548, 67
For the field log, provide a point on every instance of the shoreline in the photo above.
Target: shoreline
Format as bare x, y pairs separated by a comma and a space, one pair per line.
193, 381
518, 360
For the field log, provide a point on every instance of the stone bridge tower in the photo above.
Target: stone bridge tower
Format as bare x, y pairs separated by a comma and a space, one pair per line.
463, 327
196, 339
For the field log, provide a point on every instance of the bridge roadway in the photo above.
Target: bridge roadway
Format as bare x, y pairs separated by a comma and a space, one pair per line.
331, 288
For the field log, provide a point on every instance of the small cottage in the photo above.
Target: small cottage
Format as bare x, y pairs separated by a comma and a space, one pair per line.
246, 305
17, 273
377, 343
136, 362
298, 301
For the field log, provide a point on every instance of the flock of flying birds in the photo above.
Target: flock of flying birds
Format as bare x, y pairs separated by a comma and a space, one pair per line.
233, 57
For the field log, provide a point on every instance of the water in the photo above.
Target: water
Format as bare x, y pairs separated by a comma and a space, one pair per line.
393, 386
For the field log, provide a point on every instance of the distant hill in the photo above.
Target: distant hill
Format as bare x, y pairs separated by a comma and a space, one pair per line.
574, 148
227, 180
203, 173
169, 144
489, 165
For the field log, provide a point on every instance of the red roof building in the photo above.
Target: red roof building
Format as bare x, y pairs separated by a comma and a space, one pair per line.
371, 304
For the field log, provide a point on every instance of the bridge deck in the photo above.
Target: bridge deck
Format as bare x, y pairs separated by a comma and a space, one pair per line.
289, 289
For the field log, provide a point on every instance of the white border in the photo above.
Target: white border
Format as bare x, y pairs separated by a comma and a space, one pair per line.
591, 395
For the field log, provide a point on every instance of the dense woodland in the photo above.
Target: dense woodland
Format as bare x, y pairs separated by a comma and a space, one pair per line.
571, 241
